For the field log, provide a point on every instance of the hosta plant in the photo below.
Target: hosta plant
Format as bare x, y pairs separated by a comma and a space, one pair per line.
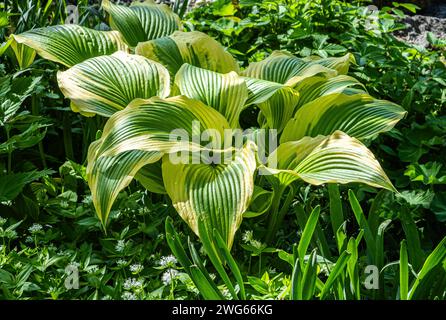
174, 101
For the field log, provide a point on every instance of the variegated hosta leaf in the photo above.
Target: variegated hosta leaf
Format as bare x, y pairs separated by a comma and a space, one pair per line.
337, 158
227, 93
279, 108
285, 68
142, 21
137, 136
260, 90
107, 176
71, 44
195, 48
106, 84
24, 54
276, 101
340, 64
358, 115
151, 178
314, 87
215, 195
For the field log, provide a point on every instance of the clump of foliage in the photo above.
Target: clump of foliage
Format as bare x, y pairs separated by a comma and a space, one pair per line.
289, 69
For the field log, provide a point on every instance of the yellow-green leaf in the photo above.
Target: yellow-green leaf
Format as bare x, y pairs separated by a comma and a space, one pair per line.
142, 21
71, 44
106, 84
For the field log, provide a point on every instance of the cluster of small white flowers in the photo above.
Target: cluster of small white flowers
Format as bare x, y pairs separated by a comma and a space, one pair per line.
160, 236
256, 244
121, 262
74, 264
2, 221
168, 276
29, 239
167, 261
132, 283
136, 268
248, 237
120, 246
36, 227
93, 269
128, 296
227, 294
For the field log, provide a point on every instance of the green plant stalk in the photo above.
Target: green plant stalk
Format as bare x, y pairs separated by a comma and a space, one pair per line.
273, 217
35, 109
336, 214
67, 139
404, 271
9, 150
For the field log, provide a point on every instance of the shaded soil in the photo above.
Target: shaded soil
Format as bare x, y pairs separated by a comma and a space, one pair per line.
418, 27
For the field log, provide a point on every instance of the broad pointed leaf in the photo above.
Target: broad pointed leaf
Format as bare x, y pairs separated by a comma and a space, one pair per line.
71, 44
216, 195
284, 68
337, 158
195, 48
142, 21
226, 93
358, 115
106, 84
138, 136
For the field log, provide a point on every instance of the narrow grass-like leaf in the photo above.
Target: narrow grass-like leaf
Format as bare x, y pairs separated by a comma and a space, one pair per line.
336, 272
404, 271
307, 233
224, 252
435, 259
363, 224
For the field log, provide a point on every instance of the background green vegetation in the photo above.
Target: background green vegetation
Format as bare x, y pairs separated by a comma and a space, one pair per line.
330, 233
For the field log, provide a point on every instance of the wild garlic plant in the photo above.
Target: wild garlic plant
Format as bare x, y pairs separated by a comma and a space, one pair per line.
160, 87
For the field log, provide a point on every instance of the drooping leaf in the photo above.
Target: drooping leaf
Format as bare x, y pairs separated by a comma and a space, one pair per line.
358, 115
25, 55
284, 68
142, 21
71, 44
314, 87
227, 93
106, 84
139, 135
337, 158
194, 48
217, 195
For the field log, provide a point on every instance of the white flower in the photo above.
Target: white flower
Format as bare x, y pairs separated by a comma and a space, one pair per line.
93, 269
169, 275
247, 236
35, 228
120, 246
132, 283
121, 262
256, 244
29, 239
136, 268
167, 261
128, 296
